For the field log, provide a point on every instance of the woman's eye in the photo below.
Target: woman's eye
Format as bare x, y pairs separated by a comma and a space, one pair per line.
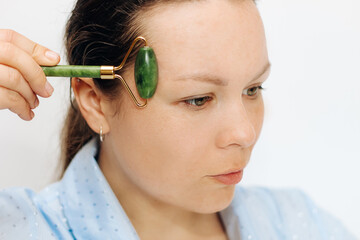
198, 102
253, 91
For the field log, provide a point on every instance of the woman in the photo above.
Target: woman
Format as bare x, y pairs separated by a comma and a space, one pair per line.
167, 171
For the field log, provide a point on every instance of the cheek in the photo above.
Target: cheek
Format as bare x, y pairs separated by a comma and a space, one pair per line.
168, 158
161, 155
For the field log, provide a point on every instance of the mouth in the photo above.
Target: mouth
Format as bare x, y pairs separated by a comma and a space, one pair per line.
230, 178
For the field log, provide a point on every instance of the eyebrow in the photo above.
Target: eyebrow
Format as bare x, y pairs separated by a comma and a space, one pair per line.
218, 81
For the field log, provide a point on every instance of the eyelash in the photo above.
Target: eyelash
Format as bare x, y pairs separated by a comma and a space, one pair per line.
193, 102
257, 89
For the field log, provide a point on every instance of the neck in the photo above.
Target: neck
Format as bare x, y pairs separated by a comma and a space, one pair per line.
152, 218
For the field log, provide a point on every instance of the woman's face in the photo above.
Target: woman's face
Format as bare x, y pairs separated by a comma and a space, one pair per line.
205, 116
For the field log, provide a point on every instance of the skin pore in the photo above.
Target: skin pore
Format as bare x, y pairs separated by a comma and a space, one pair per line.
203, 120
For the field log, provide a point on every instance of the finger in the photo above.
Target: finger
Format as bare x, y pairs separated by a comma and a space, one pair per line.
13, 56
42, 55
15, 103
11, 79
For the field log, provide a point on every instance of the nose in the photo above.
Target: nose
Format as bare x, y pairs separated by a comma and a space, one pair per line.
236, 128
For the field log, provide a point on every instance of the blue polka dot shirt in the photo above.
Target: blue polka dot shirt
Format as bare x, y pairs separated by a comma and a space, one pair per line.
83, 206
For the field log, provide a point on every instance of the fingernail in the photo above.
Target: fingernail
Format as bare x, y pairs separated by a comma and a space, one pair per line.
51, 55
36, 103
32, 114
49, 88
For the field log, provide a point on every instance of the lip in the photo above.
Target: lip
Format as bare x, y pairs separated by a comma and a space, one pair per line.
230, 178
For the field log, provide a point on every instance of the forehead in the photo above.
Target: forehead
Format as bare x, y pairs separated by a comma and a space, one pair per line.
221, 36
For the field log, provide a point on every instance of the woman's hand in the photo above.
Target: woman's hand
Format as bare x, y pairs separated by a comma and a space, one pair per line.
21, 77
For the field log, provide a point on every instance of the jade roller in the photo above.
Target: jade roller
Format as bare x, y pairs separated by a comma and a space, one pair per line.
146, 72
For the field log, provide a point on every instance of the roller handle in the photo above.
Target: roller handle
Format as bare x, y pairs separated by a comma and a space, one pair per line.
73, 71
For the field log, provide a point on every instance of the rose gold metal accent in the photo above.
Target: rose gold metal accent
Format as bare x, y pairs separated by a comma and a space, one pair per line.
130, 92
140, 38
107, 72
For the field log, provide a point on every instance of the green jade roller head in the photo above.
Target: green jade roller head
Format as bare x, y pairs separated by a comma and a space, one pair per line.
146, 72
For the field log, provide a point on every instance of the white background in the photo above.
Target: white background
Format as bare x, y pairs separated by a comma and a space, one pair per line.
310, 138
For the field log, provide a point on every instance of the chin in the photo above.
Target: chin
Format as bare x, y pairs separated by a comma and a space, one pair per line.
215, 201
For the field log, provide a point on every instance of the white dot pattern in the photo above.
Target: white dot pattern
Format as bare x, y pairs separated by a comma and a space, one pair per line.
83, 206
279, 214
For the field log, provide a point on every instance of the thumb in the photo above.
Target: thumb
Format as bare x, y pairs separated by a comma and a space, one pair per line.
44, 56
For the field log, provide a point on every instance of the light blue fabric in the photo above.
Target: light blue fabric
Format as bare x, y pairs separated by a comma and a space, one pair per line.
83, 206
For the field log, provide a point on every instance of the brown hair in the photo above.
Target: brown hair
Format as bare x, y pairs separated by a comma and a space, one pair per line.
99, 33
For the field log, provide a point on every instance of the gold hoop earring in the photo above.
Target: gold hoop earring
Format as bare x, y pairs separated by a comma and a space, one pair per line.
101, 135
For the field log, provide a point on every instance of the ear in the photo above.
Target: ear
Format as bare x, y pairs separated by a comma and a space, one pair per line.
91, 103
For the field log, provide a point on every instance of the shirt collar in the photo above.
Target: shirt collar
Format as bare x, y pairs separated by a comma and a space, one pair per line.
90, 206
